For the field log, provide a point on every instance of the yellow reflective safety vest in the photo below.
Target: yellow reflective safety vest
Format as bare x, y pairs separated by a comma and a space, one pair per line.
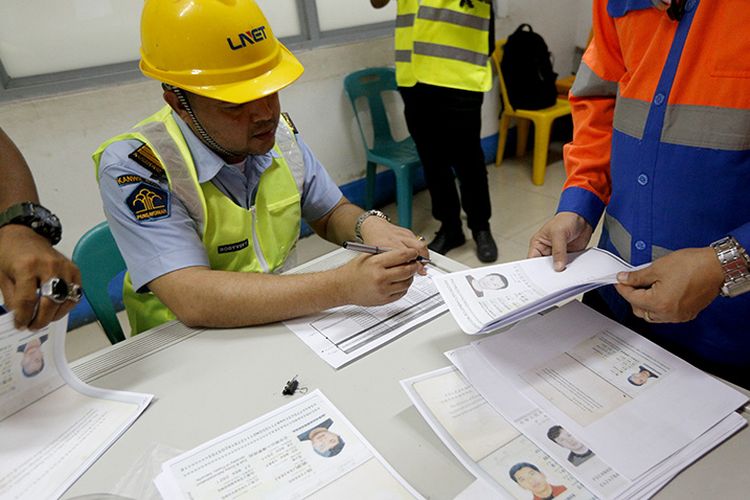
444, 43
259, 239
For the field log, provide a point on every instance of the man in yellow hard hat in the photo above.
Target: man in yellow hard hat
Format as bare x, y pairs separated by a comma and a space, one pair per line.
205, 197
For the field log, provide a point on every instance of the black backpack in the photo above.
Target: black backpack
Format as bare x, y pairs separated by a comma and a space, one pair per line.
527, 70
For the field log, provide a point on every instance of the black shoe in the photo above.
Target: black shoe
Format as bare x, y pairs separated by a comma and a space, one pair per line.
486, 247
446, 240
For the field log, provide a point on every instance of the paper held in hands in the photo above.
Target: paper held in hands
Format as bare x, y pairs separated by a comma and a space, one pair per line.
487, 298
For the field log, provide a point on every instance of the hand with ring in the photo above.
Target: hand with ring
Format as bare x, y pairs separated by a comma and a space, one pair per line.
29, 267
58, 291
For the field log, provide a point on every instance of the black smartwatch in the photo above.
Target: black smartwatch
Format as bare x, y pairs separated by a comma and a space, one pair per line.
38, 218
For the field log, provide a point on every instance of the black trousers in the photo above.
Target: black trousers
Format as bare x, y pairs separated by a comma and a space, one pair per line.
446, 127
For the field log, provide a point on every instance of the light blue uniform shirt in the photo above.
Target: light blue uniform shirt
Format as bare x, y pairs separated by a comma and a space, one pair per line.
153, 248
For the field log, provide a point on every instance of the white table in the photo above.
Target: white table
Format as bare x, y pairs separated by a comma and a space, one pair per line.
208, 382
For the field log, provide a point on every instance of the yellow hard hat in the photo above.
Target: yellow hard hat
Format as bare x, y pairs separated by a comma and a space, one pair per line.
222, 49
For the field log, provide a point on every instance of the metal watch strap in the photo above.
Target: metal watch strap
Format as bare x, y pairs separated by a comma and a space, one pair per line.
735, 263
361, 219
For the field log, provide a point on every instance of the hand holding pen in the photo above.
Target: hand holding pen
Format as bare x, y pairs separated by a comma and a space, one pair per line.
372, 249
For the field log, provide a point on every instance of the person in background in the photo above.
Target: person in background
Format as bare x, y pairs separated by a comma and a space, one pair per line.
661, 113
204, 198
29, 265
442, 71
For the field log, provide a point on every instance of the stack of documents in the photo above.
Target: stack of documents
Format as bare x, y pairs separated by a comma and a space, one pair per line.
574, 403
491, 297
52, 425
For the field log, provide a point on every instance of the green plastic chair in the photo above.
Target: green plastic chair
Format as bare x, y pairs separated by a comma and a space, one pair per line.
400, 156
97, 256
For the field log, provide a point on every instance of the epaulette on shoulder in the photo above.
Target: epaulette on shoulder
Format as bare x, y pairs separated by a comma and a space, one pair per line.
289, 123
146, 158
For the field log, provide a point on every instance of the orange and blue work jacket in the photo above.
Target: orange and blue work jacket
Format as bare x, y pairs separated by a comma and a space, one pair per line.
661, 113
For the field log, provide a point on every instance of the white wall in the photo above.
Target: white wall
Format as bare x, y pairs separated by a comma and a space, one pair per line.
58, 134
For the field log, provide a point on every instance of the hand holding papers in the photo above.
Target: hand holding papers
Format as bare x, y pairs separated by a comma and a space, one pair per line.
490, 297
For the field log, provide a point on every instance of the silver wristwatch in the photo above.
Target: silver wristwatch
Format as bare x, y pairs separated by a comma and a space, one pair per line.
736, 265
361, 219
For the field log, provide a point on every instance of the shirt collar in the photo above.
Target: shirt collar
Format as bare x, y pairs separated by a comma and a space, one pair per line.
208, 164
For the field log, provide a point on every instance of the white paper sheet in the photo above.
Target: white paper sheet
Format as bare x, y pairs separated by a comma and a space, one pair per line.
577, 366
593, 473
343, 334
54, 425
484, 442
305, 449
488, 298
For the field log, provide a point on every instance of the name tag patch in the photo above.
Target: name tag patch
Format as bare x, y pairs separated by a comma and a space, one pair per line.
124, 180
233, 247
148, 203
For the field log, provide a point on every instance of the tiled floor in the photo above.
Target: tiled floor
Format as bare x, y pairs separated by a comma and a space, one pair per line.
519, 209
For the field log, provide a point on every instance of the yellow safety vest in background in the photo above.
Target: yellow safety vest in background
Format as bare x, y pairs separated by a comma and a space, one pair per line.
440, 42
256, 240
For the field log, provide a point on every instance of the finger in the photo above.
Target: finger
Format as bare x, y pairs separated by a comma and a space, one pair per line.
641, 298
417, 244
644, 314
400, 287
24, 300
538, 249
402, 272
559, 250
63, 309
45, 313
72, 276
396, 257
638, 279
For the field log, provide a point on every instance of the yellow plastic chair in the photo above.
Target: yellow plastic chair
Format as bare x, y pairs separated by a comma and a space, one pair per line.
542, 119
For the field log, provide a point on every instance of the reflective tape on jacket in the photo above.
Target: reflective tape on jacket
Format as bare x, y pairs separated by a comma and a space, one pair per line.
661, 114
259, 239
441, 42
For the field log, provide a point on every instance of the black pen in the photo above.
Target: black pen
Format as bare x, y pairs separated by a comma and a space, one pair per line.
361, 247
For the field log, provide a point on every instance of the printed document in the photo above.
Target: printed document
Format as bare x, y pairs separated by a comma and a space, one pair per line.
575, 455
485, 443
592, 375
343, 334
488, 298
305, 449
52, 426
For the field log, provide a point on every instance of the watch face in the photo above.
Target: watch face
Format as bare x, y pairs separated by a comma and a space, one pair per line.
36, 217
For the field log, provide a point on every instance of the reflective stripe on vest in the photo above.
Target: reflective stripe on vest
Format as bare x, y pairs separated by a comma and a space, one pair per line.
439, 42
621, 240
261, 239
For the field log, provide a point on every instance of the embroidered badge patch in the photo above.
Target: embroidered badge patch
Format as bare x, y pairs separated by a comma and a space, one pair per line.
146, 158
233, 247
148, 203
